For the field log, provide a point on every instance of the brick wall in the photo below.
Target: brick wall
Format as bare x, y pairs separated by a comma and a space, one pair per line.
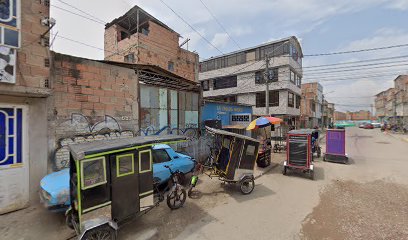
31, 73
159, 47
91, 100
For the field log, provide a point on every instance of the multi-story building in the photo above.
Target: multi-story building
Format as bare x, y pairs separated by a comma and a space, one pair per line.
311, 107
379, 105
330, 112
390, 104
327, 113
24, 89
401, 99
138, 37
358, 116
240, 77
339, 116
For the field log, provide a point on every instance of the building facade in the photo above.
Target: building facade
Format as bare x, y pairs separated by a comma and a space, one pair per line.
24, 89
401, 100
312, 107
379, 104
138, 37
361, 115
239, 77
340, 116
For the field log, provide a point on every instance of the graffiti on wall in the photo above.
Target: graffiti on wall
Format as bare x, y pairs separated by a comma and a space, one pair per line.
79, 129
7, 65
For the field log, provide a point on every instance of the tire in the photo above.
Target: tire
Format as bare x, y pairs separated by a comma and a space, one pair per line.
104, 232
176, 198
284, 170
247, 185
311, 173
324, 158
68, 220
319, 152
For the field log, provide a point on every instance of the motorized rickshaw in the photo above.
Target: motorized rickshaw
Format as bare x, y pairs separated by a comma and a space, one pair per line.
111, 182
300, 151
235, 159
336, 146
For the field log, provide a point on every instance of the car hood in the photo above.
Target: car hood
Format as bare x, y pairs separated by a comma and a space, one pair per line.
183, 155
55, 183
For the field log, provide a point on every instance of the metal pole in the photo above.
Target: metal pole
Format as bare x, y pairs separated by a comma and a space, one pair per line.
267, 85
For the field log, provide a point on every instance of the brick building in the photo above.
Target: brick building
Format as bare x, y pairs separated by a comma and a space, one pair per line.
359, 115
391, 105
239, 77
24, 88
311, 107
153, 42
340, 116
327, 113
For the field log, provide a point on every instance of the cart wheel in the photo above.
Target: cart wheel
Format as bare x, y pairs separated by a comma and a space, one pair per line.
176, 198
324, 158
284, 170
311, 175
319, 152
104, 232
68, 220
247, 185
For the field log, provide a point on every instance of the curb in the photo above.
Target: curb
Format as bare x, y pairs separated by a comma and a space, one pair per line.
269, 168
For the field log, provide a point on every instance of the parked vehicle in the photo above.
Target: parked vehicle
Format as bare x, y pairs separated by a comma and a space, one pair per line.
111, 182
368, 126
361, 125
299, 152
236, 159
55, 186
376, 124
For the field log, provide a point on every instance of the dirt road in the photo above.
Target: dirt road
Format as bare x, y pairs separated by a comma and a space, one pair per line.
363, 200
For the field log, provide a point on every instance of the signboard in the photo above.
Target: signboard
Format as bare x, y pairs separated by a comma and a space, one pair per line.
240, 119
10, 23
7, 65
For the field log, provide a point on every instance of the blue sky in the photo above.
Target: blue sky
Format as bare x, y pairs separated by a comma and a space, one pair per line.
321, 26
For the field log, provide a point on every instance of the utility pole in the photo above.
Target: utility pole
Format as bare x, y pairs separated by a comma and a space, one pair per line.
267, 84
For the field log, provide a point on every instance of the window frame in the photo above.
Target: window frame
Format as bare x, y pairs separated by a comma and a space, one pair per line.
291, 103
161, 150
150, 160
81, 166
118, 165
170, 66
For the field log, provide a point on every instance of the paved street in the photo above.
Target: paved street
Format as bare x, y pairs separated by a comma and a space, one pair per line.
365, 199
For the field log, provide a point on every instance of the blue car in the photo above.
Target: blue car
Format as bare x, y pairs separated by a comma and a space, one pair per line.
55, 186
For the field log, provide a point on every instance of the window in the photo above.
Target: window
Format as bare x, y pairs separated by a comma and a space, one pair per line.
170, 66
259, 78
93, 172
298, 101
123, 35
273, 99
125, 165
225, 82
205, 85
292, 76
291, 100
250, 151
145, 161
130, 58
298, 81
160, 156
312, 106
273, 75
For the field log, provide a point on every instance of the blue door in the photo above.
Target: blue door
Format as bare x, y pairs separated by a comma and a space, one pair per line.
13, 166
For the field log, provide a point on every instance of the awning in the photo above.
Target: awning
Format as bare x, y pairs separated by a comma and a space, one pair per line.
234, 127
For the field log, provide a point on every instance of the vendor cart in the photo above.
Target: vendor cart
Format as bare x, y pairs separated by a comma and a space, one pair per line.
300, 152
336, 146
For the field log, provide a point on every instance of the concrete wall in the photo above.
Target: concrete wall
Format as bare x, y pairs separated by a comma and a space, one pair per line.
159, 47
90, 100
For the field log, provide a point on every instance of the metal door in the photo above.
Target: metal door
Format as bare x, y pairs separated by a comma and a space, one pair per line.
13, 159
125, 185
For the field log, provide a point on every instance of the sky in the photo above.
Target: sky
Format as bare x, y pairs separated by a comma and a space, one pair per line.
322, 26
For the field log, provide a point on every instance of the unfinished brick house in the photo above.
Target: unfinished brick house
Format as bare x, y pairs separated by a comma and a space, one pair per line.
138, 37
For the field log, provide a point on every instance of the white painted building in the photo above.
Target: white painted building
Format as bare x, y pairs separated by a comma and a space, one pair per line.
240, 77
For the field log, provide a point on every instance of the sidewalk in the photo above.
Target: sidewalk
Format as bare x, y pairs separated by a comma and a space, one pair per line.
400, 136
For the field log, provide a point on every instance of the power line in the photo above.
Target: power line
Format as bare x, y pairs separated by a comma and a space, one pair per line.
90, 15
79, 15
356, 66
355, 75
192, 27
354, 79
360, 61
355, 51
218, 22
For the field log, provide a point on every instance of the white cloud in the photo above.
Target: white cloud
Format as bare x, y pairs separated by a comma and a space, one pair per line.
220, 40
399, 5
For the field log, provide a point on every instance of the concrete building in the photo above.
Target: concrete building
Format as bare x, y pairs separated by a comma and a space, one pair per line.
239, 77
358, 115
24, 89
311, 110
379, 104
330, 112
401, 100
327, 113
339, 116
138, 37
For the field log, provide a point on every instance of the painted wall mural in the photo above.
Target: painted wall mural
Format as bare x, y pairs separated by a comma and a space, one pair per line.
7, 65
